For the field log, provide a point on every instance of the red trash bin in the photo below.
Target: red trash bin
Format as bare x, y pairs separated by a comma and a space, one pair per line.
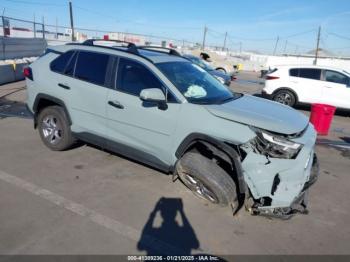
321, 117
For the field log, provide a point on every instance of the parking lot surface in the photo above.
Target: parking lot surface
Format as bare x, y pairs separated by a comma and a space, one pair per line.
88, 201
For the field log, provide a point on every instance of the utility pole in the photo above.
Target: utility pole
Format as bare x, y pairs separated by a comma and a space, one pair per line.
275, 49
56, 28
71, 20
240, 48
224, 47
3, 23
204, 36
43, 26
285, 47
34, 27
317, 45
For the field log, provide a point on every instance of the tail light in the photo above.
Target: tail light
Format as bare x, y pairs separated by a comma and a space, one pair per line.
27, 72
271, 77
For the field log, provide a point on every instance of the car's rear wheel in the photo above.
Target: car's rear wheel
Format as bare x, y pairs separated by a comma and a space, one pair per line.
206, 179
54, 128
285, 97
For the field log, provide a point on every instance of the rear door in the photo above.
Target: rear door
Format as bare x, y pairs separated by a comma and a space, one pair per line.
336, 88
141, 128
87, 91
306, 83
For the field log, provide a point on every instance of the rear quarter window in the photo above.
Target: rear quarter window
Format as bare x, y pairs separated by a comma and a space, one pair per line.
294, 72
59, 64
310, 73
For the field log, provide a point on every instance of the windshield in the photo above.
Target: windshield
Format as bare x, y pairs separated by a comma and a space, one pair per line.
196, 84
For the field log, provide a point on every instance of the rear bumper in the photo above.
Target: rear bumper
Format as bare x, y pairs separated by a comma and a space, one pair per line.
264, 94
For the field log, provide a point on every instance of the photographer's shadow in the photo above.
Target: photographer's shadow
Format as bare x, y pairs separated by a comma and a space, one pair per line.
170, 233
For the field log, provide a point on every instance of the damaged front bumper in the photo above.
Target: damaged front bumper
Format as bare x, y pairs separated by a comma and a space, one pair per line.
299, 204
279, 187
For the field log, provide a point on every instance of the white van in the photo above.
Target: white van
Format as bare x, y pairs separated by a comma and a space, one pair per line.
308, 84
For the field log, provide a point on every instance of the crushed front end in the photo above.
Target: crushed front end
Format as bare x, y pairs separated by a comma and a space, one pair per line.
278, 170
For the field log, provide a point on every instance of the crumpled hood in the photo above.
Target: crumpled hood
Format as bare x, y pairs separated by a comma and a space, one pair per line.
261, 113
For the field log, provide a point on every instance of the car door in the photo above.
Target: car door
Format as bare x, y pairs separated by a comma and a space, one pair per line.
143, 130
306, 83
336, 87
88, 90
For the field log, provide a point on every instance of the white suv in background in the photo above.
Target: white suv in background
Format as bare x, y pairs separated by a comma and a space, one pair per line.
308, 84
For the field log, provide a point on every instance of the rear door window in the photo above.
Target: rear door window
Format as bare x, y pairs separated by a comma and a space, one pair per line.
335, 77
59, 64
310, 73
92, 67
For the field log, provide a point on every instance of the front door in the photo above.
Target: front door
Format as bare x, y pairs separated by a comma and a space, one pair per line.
144, 129
336, 89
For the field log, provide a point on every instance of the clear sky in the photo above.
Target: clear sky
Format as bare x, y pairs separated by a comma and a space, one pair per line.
256, 24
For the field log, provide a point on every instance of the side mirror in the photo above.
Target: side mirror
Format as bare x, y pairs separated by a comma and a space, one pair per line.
152, 95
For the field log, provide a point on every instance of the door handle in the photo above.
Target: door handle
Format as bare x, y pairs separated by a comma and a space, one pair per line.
116, 104
328, 87
64, 86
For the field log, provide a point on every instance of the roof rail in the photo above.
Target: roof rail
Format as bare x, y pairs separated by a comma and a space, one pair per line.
159, 49
131, 47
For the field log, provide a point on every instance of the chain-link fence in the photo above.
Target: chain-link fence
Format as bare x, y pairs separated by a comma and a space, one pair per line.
55, 33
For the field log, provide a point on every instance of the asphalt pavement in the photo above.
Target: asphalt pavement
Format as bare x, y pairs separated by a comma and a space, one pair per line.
88, 201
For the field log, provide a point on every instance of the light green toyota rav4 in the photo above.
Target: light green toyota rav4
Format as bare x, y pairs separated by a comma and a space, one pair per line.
156, 107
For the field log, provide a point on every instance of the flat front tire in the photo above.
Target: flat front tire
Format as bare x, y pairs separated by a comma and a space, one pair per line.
206, 179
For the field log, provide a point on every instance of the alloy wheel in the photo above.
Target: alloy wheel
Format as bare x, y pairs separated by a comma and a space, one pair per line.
198, 188
52, 129
284, 98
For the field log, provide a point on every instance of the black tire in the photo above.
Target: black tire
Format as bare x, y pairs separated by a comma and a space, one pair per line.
55, 119
206, 172
223, 70
285, 97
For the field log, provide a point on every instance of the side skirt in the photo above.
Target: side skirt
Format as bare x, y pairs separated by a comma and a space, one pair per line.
126, 151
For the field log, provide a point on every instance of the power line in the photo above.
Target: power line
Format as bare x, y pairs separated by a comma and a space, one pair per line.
134, 22
34, 3
340, 36
298, 34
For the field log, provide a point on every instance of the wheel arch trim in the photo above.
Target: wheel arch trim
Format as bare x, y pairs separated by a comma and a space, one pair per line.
218, 147
42, 96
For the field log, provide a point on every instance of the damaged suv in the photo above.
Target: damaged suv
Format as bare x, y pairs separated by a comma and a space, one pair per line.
156, 107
